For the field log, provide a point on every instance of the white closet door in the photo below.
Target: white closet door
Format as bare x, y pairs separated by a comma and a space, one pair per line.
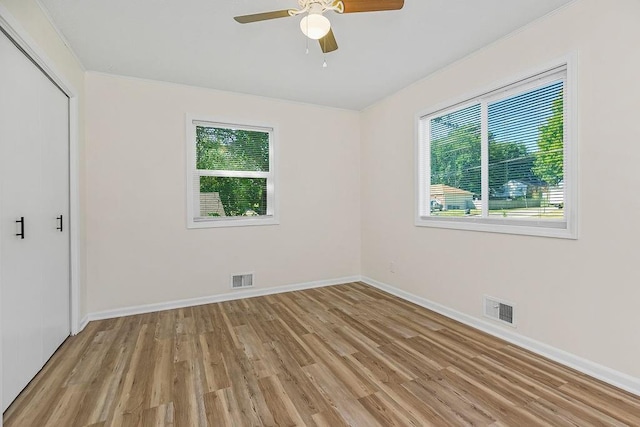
53, 120
21, 335
32, 307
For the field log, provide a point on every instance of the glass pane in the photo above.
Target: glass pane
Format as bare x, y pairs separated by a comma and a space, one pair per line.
232, 196
455, 163
526, 155
231, 149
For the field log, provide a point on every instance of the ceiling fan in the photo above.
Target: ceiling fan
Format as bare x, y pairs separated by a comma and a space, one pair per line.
314, 24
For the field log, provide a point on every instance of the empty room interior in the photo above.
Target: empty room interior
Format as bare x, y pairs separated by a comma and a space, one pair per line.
319, 213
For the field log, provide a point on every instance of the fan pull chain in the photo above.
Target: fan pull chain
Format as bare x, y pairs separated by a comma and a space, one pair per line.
324, 52
307, 39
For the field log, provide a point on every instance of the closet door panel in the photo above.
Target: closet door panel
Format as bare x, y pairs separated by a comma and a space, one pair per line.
20, 182
34, 184
54, 118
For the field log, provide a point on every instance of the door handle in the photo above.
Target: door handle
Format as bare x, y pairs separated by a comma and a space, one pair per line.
59, 219
21, 222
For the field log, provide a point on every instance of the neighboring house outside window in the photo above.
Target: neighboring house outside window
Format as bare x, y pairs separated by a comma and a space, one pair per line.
230, 174
503, 161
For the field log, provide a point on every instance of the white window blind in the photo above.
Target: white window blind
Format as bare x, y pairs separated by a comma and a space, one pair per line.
498, 160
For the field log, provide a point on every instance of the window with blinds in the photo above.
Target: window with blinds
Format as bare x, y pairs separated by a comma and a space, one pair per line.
499, 161
231, 178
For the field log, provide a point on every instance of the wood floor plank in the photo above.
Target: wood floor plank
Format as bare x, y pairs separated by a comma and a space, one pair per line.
221, 409
521, 383
492, 402
329, 418
355, 339
282, 408
448, 402
384, 413
119, 416
347, 355
412, 405
246, 392
186, 394
340, 396
419, 365
555, 415
614, 407
158, 416
365, 330
359, 385
65, 411
97, 404
305, 396
508, 387
278, 330
290, 319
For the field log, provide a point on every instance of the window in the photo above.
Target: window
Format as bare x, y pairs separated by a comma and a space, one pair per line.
230, 174
502, 161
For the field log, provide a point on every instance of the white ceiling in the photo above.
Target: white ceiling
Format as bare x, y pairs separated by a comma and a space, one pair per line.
197, 42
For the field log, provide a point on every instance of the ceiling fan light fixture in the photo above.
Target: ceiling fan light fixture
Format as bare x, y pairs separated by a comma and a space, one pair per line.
315, 26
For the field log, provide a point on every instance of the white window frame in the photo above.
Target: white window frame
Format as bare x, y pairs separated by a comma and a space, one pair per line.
568, 228
271, 218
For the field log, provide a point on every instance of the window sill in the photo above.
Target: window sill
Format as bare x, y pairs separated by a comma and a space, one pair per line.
555, 229
217, 222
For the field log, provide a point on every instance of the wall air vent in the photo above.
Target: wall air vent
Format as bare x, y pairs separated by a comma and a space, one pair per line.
499, 310
239, 281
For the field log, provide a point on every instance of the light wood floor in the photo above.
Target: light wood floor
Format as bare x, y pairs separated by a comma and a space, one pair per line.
341, 355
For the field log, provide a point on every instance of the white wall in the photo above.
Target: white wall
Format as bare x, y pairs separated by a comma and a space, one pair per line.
581, 296
139, 250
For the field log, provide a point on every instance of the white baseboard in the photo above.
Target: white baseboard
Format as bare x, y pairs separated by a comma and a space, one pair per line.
603, 373
83, 323
150, 308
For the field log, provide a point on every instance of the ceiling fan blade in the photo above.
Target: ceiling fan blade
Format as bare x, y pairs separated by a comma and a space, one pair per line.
328, 43
245, 19
352, 6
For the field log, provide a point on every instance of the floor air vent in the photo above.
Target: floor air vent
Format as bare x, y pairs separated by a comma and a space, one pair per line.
499, 310
242, 281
